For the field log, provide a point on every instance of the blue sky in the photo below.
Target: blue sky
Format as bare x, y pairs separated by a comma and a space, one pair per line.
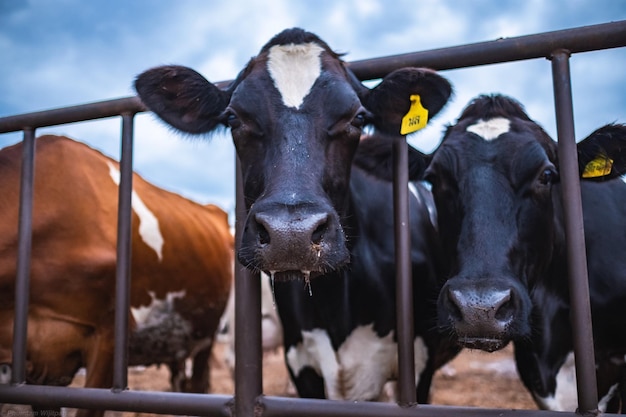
67, 52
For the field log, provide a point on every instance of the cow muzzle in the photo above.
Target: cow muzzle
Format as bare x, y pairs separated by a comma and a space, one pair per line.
480, 317
291, 243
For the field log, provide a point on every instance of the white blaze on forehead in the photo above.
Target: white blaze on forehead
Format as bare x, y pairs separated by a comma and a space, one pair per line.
148, 223
294, 69
361, 366
490, 129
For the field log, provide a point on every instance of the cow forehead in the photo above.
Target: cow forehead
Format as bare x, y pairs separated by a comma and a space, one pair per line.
294, 68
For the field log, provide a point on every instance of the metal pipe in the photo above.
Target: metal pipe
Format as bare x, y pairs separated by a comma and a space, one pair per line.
124, 256
404, 283
80, 113
22, 280
575, 236
248, 355
583, 39
287, 407
174, 403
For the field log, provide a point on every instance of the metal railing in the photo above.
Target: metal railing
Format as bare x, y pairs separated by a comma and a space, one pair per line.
249, 399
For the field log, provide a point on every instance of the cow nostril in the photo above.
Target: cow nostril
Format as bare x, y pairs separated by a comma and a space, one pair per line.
318, 233
264, 236
454, 311
505, 309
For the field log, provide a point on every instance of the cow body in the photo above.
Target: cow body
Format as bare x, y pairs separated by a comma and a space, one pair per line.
496, 187
180, 272
320, 227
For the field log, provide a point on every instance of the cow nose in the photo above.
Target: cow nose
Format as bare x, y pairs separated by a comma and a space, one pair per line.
491, 309
296, 232
477, 314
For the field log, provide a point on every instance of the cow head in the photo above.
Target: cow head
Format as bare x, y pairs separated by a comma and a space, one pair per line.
493, 178
296, 113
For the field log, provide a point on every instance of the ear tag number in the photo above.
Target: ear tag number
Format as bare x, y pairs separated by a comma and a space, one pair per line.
598, 167
416, 118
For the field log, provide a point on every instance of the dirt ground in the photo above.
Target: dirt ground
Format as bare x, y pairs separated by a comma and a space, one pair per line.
474, 379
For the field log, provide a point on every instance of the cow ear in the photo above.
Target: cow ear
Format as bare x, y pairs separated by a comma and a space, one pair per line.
602, 155
407, 99
181, 97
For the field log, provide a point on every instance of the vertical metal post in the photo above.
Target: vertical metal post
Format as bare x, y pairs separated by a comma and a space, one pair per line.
404, 284
122, 282
248, 355
22, 281
575, 236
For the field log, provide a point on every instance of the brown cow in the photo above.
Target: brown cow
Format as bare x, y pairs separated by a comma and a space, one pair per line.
181, 269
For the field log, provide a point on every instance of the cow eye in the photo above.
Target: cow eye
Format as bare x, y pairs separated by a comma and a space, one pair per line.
359, 120
232, 120
547, 177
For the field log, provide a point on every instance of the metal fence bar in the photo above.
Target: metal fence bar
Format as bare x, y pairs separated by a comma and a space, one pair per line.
124, 246
248, 355
22, 280
175, 403
582, 39
80, 113
574, 236
404, 284
287, 407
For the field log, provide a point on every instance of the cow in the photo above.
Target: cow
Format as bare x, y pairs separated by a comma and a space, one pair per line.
495, 182
271, 328
318, 225
181, 270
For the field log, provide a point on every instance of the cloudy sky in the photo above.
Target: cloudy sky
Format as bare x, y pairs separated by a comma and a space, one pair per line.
67, 52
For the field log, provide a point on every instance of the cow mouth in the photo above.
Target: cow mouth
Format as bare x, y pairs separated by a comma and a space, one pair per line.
482, 343
292, 275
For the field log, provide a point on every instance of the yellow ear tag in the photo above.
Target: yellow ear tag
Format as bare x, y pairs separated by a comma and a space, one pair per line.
416, 118
598, 167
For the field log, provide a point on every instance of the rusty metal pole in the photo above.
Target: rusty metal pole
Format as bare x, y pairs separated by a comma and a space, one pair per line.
122, 284
575, 236
248, 355
22, 281
404, 284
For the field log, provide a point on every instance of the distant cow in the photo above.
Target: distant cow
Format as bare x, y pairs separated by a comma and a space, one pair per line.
495, 181
271, 328
180, 275
319, 226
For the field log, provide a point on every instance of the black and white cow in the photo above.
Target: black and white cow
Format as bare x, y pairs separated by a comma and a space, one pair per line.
319, 226
495, 181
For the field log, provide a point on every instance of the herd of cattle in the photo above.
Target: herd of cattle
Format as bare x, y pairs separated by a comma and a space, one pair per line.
487, 236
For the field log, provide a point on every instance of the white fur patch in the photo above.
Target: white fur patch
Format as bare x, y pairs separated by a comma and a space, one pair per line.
566, 396
294, 69
490, 129
623, 177
361, 366
143, 314
148, 223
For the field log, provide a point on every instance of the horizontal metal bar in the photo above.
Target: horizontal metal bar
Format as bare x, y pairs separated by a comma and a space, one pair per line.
289, 407
583, 39
79, 113
135, 401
